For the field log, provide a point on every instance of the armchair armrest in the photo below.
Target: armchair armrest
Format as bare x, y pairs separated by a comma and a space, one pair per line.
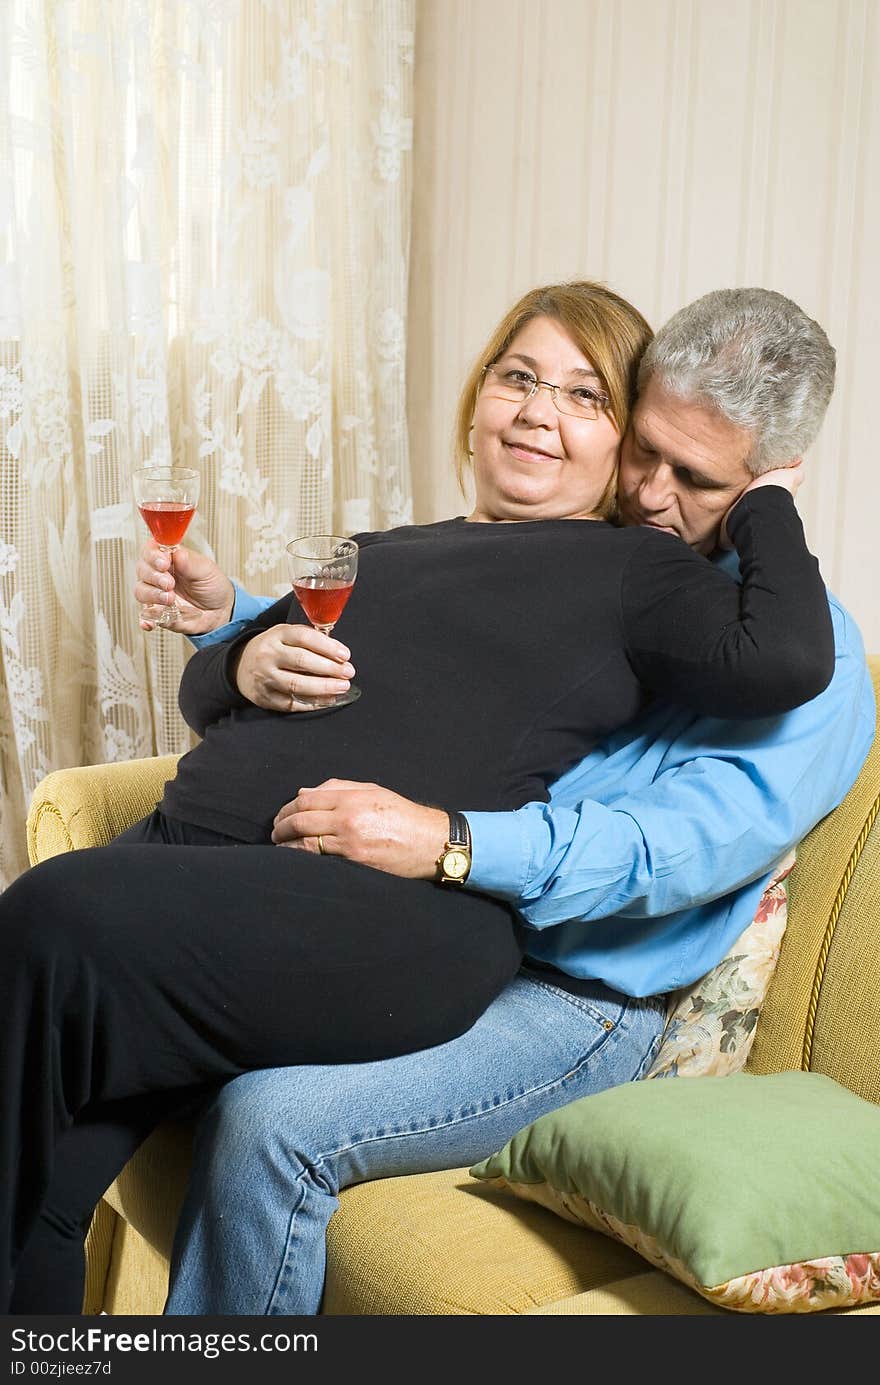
91, 804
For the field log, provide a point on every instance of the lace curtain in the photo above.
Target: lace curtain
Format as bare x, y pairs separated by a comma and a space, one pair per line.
204, 238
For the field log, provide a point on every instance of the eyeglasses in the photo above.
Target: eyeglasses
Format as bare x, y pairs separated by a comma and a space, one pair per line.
517, 385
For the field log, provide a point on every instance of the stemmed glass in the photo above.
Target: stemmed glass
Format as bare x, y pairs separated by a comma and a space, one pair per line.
323, 569
166, 497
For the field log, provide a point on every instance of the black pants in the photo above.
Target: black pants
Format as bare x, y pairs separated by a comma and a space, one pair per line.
131, 978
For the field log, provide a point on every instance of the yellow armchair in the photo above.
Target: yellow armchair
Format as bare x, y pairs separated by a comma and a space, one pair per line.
432, 1243
90, 805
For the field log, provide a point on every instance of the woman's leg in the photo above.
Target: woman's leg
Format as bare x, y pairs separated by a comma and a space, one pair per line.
50, 1274
126, 972
274, 1148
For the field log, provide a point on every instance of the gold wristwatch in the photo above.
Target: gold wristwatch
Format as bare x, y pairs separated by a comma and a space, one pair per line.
454, 861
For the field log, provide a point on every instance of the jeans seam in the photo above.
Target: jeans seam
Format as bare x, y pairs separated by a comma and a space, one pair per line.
287, 1254
577, 1002
583, 1005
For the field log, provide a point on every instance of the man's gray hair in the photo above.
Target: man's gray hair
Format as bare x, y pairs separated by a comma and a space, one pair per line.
757, 358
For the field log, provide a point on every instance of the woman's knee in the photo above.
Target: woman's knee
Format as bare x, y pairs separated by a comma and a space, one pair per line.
33, 906
53, 911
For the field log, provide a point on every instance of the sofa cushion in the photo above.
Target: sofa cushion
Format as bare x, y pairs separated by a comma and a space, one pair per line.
758, 1192
655, 1295
444, 1244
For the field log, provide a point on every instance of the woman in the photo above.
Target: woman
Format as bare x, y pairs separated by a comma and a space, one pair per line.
155, 996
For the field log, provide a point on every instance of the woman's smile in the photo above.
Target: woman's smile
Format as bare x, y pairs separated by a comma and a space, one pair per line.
528, 452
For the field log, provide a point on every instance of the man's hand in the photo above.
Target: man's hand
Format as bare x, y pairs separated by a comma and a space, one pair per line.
365, 823
790, 477
204, 594
289, 662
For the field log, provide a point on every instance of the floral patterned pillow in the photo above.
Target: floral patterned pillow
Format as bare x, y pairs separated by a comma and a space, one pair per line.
745, 1188
710, 1025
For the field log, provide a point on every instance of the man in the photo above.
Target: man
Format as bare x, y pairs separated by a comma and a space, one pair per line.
643, 868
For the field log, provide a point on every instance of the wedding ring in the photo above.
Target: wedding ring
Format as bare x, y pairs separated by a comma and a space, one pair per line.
321, 845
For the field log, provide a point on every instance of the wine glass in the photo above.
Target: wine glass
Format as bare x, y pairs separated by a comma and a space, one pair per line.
323, 569
166, 497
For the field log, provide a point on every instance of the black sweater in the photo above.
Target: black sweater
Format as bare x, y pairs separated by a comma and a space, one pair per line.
491, 656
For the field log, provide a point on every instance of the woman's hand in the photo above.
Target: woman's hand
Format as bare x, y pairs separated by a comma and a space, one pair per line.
289, 662
204, 594
365, 823
789, 477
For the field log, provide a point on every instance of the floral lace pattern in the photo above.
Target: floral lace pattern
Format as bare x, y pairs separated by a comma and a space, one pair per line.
711, 1025
220, 279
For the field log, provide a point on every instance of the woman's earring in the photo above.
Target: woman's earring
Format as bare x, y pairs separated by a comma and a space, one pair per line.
470, 450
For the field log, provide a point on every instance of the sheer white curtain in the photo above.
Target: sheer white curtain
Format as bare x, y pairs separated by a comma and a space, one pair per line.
204, 241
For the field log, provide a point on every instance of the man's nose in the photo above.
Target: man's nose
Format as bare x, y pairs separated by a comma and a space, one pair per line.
656, 490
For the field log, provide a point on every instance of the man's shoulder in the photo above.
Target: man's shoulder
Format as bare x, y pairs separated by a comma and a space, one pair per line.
847, 635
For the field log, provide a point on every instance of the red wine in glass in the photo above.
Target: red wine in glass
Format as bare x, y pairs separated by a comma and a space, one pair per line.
323, 569
323, 600
166, 497
167, 521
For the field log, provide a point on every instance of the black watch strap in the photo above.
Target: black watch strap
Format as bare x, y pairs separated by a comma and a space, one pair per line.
459, 832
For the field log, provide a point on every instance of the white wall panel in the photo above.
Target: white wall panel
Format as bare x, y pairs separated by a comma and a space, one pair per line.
666, 147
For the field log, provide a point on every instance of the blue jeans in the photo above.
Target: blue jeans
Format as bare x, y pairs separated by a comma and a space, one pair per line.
275, 1147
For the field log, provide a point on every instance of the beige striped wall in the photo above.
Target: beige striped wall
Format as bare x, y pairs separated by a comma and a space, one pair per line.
667, 147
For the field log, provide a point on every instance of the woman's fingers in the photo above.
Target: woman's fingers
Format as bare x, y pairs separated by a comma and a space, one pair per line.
299, 685
304, 687
305, 663
280, 669
305, 638
301, 673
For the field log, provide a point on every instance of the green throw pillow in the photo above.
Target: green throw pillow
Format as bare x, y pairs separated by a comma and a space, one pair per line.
760, 1192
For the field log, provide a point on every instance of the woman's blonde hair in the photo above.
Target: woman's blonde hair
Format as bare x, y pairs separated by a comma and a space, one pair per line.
610, 332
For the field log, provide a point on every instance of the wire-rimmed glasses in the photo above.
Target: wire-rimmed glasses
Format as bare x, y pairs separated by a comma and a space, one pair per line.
518, 385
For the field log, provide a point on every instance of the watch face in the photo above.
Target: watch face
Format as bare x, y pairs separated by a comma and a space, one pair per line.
455, 864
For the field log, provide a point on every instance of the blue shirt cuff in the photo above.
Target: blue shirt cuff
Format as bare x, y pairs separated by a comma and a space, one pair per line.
500, 853
245, 608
